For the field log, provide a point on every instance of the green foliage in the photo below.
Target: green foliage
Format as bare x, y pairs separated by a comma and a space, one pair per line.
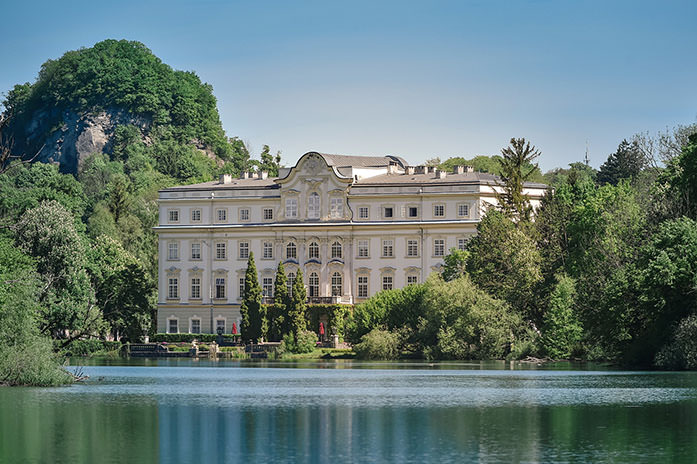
338, 317
379, 344
303, 341
482, 163
561, 330
91, 347
463, 322
516, 168
626, 163
455, 264
681, 351
269, 163
505, 262
277, 313
189, 337
252, 324
297, 308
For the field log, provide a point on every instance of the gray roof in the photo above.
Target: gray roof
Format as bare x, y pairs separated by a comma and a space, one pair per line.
345, 161
267, 183
430, 178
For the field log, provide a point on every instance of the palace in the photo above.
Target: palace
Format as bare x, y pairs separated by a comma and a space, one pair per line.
355, 225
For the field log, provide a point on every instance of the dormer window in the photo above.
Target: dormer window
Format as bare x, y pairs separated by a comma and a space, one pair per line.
336, 209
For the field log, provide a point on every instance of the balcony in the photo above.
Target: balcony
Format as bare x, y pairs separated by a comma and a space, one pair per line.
268, 300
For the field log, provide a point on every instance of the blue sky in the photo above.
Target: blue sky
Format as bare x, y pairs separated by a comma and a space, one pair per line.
416, 79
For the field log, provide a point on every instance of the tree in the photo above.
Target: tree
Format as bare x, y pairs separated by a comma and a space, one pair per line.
505, 262
269, 163
455, 264
561, 329
277, 314
516, 168
626, 163
296, 310
251, 327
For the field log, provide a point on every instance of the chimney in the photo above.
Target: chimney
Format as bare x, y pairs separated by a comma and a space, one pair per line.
440, 174
410, 170
263, 174
430, 169
244, 175
420, 170
226, 178
458, 169
392, 169
469, 168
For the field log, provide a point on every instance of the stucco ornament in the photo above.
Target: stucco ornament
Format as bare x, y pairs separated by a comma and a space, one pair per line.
313, 164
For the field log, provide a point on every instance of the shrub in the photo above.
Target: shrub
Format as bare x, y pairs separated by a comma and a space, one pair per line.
681, 351
91, 347
561, 330
32, 364
378, 344
305, 342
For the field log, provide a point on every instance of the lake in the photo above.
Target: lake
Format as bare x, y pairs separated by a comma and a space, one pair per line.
182, 410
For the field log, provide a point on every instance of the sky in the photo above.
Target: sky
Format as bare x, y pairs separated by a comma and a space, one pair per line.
414, 79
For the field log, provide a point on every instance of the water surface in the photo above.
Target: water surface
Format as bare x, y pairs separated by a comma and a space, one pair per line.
179, 410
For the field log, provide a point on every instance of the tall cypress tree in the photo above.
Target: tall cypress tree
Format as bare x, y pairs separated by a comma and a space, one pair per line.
296, 311
252, 325
277, 311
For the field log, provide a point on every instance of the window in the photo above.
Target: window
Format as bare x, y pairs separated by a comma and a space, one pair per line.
463, 210
195, 326
173, 251
412, 248
313, 206
362, 286
268, 250
195, 288
461, 244
268, 214
439, 210
413, 211
363, 248
267, 287
439, 247
241, 287
412, 279
244, 214
220, 251
363, 212
313, 280
221, 214
336, 209
220, 324
336, 250
220, 287
195, 215
290, 283
173, 215
173, 326
291, 207
313, 251
291, 251
387, 212
387, 282
244, 250
387, 248
172, 288
336, 284
195, 251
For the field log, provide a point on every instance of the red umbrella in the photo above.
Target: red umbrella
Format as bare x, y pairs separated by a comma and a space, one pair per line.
234, 328
321, 328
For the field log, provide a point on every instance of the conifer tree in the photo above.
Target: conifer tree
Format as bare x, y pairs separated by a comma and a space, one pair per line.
277, 312
251, 327
296, 311
516, 168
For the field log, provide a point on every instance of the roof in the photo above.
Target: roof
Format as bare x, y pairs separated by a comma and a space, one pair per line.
430, 178
236, 183
345, 161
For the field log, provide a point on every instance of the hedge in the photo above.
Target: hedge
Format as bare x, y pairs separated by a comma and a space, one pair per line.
90, 346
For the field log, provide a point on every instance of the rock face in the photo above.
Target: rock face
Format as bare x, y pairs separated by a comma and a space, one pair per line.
81, 135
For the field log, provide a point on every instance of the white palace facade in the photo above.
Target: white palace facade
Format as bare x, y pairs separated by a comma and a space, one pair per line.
355, 225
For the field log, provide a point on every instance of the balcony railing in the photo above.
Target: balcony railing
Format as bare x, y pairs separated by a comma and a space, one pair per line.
312, 300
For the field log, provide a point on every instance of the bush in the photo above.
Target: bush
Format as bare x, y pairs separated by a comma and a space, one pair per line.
91, 347
32, 364
681, 352
378, 344
305, 342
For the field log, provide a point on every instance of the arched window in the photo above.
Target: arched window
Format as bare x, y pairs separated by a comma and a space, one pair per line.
313, 250
336, 250
313, 206
314, 284
290, 281
336, 284
291, 251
